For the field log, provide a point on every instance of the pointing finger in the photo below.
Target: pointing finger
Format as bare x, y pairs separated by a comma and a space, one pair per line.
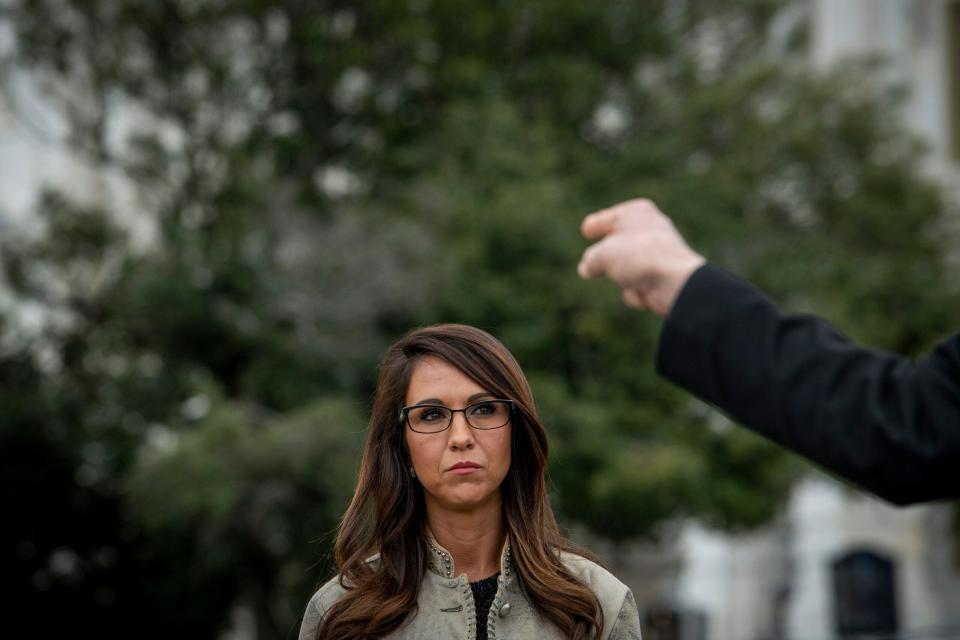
636, 212
599, 223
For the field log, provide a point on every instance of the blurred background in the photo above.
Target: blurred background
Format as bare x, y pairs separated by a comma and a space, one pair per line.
215, 215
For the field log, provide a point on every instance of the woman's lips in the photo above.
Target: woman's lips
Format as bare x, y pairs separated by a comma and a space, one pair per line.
463, 468
462, 471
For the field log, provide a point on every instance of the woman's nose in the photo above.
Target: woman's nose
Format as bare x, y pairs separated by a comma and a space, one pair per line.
461, 435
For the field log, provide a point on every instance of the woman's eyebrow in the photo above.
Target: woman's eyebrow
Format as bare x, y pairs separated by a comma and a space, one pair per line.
477, 396
427, 401
470, 400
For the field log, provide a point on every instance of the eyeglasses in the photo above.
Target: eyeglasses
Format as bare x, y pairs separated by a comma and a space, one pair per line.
434, 418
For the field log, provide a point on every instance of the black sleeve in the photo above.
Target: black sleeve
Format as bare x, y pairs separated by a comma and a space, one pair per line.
884, 422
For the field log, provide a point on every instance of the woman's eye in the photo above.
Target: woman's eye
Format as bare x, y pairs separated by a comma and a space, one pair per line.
485, 409
431, 415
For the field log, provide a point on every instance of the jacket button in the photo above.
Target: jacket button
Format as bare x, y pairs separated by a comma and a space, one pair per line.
505, 610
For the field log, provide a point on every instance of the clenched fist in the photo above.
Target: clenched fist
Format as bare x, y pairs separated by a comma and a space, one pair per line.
638, 248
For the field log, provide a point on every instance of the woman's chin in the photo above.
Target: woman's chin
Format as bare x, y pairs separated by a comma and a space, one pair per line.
465, 500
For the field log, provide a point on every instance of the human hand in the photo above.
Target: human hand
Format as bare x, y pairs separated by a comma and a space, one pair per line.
638, 248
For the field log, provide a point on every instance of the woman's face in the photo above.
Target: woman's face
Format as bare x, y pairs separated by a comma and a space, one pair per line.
435, 381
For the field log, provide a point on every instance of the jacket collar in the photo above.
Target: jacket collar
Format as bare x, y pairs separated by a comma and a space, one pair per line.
441, 560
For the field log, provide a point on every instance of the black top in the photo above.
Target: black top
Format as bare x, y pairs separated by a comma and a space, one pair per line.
887, 423
483, 593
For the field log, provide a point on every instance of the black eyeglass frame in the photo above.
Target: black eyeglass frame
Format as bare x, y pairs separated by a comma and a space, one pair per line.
405, 415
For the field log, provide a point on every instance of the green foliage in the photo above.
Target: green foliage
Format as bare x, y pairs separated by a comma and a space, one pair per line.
210, 473
318, 178
245, 495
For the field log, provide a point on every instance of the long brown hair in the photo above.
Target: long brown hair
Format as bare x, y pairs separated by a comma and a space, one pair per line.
387, 514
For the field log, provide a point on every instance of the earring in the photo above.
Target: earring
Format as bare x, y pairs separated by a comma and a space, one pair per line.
413, 474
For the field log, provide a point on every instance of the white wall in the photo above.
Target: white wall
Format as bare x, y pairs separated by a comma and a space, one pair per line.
734, 580
912, 36
827, 521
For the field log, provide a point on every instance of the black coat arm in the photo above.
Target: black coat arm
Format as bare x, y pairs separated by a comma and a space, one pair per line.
888, 424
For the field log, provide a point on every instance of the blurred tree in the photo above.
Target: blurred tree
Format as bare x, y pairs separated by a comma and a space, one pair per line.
316, 178
248, 494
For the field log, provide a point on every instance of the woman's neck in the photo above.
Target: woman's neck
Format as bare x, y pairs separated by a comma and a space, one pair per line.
474, 538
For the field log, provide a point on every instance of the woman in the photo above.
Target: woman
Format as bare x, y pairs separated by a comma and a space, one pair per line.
450, 533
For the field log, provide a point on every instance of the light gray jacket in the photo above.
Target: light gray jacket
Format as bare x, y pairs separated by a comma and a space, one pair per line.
446, 606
